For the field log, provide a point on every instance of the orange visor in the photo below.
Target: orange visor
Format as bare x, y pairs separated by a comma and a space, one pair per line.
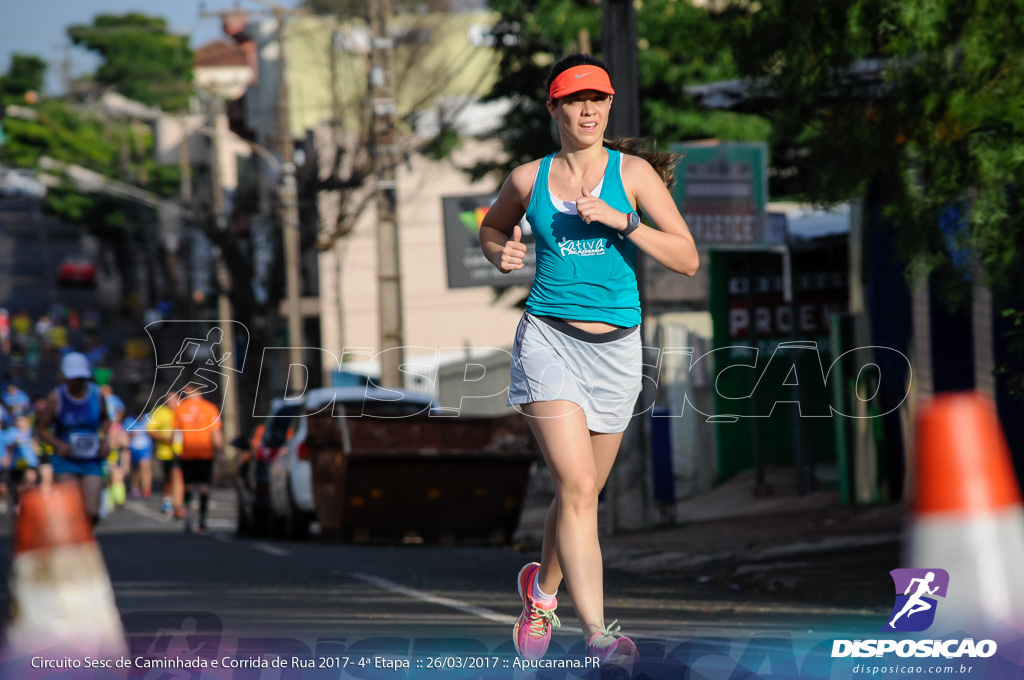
579, 78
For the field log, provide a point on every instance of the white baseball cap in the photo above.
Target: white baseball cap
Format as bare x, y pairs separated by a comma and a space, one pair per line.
75, 365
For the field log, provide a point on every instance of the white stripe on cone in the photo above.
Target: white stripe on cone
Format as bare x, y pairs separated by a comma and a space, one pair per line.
63, 595
984, 555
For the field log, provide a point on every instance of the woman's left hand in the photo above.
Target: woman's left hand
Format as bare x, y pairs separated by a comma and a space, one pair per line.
593, 209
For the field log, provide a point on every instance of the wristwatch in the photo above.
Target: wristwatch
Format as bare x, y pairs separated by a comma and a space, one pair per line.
632, 224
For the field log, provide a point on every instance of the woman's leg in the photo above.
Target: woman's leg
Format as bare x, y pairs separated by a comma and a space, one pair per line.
561, 430
605, 447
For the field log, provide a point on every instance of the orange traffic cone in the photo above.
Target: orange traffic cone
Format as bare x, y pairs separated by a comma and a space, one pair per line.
968, 517
60, 591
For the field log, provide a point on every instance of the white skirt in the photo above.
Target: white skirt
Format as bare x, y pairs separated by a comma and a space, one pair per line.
603, 376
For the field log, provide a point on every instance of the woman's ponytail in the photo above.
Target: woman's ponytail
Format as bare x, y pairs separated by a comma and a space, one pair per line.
664, 162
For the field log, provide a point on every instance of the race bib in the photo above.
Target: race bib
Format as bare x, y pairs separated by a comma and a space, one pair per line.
84, 445
140, 442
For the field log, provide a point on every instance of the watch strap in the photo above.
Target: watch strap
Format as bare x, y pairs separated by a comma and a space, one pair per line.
633, 223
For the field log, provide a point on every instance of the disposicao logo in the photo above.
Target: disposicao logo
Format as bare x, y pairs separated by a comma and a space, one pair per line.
914, 611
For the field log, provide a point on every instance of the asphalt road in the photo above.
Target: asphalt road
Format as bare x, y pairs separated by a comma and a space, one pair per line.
314, 589
318, 598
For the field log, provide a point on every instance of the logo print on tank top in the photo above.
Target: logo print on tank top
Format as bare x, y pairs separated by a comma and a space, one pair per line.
582, 247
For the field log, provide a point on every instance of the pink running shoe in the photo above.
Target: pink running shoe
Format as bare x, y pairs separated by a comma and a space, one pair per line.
532, 631
613, 650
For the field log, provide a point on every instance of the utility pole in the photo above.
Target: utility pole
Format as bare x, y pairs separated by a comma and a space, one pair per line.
618, 44
629, 488
337, 250
385, 155
185, 164
230, 415
65, 68
288, 197
185, 190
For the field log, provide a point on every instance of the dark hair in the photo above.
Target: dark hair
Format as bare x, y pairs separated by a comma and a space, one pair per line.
664, 162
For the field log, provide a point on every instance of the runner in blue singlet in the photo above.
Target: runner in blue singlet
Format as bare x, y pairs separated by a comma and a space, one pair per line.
78, 416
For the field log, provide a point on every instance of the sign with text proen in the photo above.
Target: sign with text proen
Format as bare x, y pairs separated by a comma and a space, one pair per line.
721, 191
467, 266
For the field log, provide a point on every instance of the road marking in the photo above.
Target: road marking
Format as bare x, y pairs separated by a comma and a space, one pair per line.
220, 523
140, 509
272, 549
458, 605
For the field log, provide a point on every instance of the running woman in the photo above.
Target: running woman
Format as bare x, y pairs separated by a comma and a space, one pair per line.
576, 369
79, 438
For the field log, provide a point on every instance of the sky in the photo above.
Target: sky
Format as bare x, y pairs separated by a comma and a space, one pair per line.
38, 27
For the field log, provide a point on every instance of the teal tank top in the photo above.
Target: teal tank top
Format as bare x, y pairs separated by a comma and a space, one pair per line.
585, 272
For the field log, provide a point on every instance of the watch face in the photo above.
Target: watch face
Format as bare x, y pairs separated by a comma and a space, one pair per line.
634, 219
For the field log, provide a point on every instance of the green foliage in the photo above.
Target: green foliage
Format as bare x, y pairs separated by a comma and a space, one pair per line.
140, 58
103, 215
441, 145
26, 74
74, 136
930, 116
144, 62
529, 37
63, 134
935, 118
680, 45
1015, 344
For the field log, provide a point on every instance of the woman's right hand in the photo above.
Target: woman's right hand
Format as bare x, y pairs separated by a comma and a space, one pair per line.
62, 449
513, 253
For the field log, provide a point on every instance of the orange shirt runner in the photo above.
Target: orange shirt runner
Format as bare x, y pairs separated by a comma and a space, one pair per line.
197, 419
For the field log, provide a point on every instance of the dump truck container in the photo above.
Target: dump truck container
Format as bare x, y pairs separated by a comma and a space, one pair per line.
421, 477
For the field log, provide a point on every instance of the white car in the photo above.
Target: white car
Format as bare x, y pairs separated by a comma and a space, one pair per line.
292, 508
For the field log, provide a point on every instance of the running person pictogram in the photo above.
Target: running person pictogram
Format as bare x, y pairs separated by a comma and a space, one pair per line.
577, 358
174, 643
916, 604
193, 369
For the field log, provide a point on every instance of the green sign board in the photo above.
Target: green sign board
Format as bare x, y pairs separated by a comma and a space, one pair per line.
721, 190
722, 193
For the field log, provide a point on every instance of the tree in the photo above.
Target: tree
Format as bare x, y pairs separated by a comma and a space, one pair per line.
83, 137
25, 75
140, 58
924, 97
423, 70
680, 45
919, 99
